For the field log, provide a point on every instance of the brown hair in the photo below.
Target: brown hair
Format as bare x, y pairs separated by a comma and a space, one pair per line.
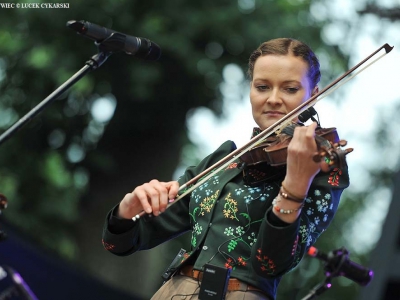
285, 46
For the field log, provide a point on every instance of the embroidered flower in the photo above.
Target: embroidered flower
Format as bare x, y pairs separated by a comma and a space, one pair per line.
334, 177
252, 190
267, 265
203, 186
229, 263
216, 180
197, 229
263, 197
303, 231
228, 231
107, 246
325, 218
230, 208
241, 261
248, 198
232, 166
252, 238
239, 191
207, 204
310, 211
322, 205
239, 230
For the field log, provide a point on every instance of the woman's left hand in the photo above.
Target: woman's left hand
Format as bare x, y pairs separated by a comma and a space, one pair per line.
301, 168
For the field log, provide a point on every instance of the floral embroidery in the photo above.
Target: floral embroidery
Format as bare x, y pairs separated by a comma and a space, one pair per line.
230, 208
241, 210
232, 245
197, 230
334, 177
263, 197
253, 238
107, 246
242, 261
230, 263
256, 174
239, 191
248, 199
266, 264
206, 204
240, 230
295, 245
303, 231
310, 211
322, 205
232, 166
216, 180
253, 190
228, 231
325, 218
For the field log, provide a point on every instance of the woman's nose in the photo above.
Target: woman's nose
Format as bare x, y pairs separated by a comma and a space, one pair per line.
274, 97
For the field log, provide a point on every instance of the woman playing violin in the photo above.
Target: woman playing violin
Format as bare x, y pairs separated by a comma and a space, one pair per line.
254, 220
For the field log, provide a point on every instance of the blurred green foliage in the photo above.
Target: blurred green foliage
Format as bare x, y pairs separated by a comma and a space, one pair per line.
65, 169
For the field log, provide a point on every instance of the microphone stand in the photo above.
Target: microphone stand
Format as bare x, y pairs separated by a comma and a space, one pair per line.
332, 269
114, 43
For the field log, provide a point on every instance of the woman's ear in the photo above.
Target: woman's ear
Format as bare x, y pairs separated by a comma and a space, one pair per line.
315, 91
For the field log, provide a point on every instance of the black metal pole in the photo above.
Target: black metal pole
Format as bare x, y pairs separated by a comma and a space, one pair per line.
92, 64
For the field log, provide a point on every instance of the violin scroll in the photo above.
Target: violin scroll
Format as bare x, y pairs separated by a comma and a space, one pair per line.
333, 155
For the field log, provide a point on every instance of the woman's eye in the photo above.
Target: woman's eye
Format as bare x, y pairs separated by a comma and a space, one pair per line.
261, 87
292, 90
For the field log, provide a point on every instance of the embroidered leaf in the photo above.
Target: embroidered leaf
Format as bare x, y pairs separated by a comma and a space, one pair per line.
232, 245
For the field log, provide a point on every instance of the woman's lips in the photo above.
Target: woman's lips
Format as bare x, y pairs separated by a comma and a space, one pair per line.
274, 113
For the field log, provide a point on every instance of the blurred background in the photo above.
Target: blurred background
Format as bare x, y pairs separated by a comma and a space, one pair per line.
132, 120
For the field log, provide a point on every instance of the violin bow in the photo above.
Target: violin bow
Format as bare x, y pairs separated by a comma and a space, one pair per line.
193, 183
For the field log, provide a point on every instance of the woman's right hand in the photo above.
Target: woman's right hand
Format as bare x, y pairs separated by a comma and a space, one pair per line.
152, 197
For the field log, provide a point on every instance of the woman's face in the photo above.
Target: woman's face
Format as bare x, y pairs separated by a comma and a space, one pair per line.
280, 84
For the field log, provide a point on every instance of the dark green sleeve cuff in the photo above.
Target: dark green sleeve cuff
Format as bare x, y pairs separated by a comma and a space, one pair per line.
117, 225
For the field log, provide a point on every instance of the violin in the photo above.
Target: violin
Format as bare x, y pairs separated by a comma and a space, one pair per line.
274, 150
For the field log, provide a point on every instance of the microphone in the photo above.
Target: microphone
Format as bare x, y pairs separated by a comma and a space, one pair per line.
131, 45
337, 262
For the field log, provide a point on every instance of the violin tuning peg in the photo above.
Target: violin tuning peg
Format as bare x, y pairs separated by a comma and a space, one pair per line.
342, 143
348, 150
317, 157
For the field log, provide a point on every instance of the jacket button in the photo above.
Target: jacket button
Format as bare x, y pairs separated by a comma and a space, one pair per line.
205, 247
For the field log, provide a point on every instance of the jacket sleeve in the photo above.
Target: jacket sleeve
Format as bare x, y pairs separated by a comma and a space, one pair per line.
149, 232
280, 248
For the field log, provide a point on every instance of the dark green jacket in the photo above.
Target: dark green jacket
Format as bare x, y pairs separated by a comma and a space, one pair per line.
232, 224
